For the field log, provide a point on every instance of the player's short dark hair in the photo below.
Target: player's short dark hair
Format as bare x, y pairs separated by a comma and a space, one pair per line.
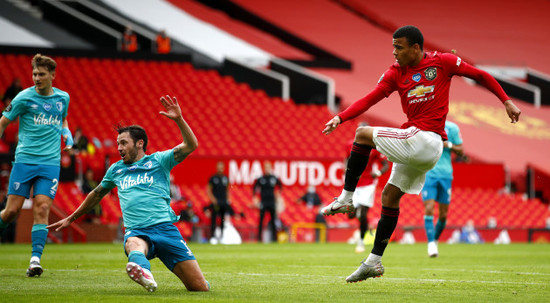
136, 133
412, 34
44, 61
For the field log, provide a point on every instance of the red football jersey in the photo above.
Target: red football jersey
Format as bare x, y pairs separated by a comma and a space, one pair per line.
424, 90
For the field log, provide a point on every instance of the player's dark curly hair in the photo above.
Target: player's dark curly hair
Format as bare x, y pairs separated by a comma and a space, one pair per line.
412, 34
136, 133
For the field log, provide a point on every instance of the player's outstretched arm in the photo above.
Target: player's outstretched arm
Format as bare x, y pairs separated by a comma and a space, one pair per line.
512, 110
489, 82
358, 107
91, 200
331, 125
67, 136
173, 111
3, 124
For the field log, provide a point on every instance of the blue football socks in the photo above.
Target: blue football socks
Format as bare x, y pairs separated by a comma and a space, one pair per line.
429, 226
439, 227
39, 234
139, 258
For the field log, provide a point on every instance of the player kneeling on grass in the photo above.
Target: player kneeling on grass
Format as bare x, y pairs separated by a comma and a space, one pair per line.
144, 194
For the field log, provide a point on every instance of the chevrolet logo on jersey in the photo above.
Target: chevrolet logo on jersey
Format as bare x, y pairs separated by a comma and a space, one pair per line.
420, 91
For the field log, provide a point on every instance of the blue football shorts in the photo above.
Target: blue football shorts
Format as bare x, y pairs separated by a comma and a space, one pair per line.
165, 242
437, 189
44, 179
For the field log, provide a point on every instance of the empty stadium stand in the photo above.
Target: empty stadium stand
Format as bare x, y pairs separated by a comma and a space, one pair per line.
231, 121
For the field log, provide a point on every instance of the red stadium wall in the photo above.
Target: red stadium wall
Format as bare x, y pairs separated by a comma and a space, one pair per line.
490, 176
296, 171
540, 182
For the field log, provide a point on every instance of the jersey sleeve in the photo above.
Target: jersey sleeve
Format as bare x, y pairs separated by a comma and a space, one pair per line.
15, 109
108, 181
454, 135
255, 188
66, 109
456, 66
384, 88
387, 82
452, 63
210, 181
166, 159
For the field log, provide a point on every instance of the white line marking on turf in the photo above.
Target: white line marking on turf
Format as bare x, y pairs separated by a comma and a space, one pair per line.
383, 278
436, 269
378, 280
491, 271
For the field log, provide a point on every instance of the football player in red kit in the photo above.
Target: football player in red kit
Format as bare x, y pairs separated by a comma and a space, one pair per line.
422, 80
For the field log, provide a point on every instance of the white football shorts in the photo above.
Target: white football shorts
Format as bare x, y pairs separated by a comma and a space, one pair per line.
364, 195
413, 153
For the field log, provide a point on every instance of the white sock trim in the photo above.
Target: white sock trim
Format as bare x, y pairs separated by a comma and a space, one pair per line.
346, 195
372, 259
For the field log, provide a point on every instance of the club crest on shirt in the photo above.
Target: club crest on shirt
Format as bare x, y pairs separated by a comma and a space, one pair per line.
430, 73
59, 106
47, 106
417, 77
148, 165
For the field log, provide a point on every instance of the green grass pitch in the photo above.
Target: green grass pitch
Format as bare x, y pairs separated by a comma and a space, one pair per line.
286, 273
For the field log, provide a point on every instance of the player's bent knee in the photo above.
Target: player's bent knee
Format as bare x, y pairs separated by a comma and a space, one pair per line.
136, 243
391, 196
198, 286
10, 214
364, 135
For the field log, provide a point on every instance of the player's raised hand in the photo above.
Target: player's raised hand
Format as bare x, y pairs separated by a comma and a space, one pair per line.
512, 110
331, 125
172, 109
61, 224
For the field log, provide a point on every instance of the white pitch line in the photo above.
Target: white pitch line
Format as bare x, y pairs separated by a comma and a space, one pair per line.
378, 280
385, 278
494, 272
436, 269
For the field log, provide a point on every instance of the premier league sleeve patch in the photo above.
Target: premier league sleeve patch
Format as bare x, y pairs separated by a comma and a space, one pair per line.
381, 78
430, 73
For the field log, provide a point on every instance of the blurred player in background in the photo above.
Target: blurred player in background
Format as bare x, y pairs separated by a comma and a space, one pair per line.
144, 194
268, 187
438, 187
363, 198
218, 193
42, 112
422, 80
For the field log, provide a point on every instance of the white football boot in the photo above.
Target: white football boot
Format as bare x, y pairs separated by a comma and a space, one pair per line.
432, 249
142, 276
338, 207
